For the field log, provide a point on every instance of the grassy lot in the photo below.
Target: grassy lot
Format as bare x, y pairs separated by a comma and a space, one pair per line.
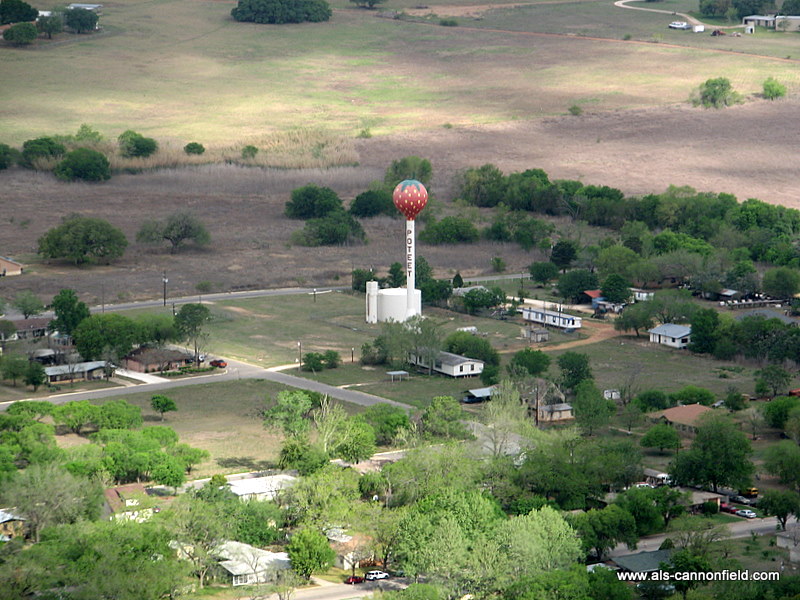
10, 393
757, 553
222, 418
242, 82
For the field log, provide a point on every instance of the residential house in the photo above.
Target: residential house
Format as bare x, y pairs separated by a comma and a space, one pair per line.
127, 503
261, 488
669, 334
450, 364
777, 22
640, 295
554, 413
642, 562
31, 329
553, 318
248, 565
697, 499
82, 371
152, 360
11, 525
683, 418
9, 267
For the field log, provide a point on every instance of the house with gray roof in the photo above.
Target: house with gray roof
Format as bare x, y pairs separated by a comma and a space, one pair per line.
767, 313
672, 335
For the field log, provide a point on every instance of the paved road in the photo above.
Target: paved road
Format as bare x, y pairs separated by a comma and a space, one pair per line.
737, 530
236, 370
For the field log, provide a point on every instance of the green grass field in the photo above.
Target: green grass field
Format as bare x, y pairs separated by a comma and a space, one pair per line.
187, 72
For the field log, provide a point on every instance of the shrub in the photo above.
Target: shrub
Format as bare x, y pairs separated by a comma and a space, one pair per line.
373, 203
409, 167
336, 229
448, 23
43, 147
312, 202
249, 152
21, 34
194, 148
450, 230
716, 93
50, 25
132, 144
85, 164
773, 89
7, 156
575, 110
80, 20
278, 12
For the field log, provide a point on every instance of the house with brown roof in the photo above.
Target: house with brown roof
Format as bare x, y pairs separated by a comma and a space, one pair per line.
31, 329
127, 503
683, 418
153, 360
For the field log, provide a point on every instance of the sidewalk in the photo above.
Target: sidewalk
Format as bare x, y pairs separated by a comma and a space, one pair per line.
143, 377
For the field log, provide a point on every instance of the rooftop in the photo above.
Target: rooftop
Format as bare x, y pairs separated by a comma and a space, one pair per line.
672, 330
268, 486
683, 415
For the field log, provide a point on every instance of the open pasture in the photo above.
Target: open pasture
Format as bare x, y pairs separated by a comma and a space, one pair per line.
185, 71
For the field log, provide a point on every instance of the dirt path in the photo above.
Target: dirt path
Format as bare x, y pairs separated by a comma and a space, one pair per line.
689, 19
597, 332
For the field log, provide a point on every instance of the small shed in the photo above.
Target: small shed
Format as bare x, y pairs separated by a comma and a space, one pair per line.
478, 395
672, 335
9, 267
536, 334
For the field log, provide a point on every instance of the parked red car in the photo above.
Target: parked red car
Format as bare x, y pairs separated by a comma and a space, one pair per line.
218, 363
354, 579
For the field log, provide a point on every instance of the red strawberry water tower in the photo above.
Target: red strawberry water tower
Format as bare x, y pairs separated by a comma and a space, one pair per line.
410, 197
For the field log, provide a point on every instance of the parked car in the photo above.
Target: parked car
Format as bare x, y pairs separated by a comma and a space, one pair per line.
741, 500
746, 513
218, 363
353, 579
679, 25
727, 508
374, 575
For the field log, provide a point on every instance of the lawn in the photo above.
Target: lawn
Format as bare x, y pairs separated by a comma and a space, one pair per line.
157, 62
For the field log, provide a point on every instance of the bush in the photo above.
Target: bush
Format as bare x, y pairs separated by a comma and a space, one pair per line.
373, 203
409, 167
83, 239
249, 152
278, 12
7, 156
21, 34
716, 93
450, 230
337, 229
80, 20
575, 110
43, 147
471, 346
312, 202
194, 148
85, 164
132, 144
448, 23
773, 89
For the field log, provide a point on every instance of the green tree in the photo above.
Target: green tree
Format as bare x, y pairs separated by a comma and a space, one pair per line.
471, 346
309, 552
373, 203
16, 11
616, 289
118, 414
719, 456
43, 147
135, 145
780, 503
443, 418
312, 202
34, 375
661, 436
543, 272
84, 164
716, 93
781, 282
575, 368
692, 394
484, 186
481, 298
388, 421
408, 167
458, 281
637, 317
21, 34
532, 362
397, 275
684, 561
14, 368
777, 411
98, 333
641, 504
191, 322
8, 156
705, 326
162, 404
289, 412
50, 25
772, 88
564, 254
194, 148
601, 530
177, 229
278, 12
783, 461
28, 304
83, 240
357, 441
774, 377
197, 528
617, 260
76, 414
48, 495
68, 312
572, 284
81, 20
337, 228
297, 453
450, 230
592, 410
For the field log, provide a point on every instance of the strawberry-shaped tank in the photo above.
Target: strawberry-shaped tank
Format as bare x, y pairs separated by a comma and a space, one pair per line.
410, 197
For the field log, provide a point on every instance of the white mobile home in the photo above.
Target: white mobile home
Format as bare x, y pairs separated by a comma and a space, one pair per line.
450, 364
669, 334
553, 318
